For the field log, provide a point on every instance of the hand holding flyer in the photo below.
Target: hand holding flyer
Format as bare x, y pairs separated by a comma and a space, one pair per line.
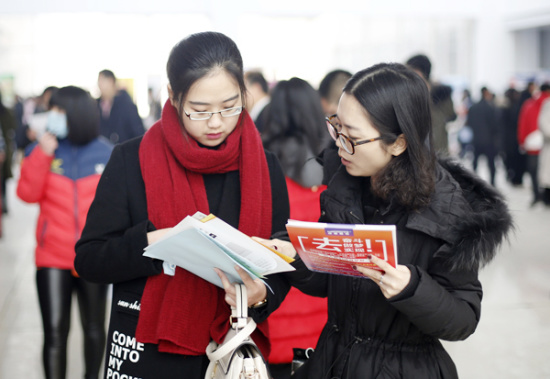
336, 248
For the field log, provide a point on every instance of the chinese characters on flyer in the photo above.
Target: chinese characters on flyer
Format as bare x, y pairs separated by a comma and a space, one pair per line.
336, 248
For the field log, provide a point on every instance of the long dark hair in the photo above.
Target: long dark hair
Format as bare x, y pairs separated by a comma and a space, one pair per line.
196, 56
397, 102
295, 111
82, 113
294, 128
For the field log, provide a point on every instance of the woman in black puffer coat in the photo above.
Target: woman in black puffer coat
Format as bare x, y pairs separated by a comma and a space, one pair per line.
449, 224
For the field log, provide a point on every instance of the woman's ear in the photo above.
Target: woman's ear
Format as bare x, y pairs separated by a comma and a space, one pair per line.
171, 96
399, 146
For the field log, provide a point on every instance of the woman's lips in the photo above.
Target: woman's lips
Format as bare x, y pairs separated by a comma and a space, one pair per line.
213, 136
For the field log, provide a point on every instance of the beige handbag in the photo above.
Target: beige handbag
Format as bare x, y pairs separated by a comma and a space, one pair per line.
237, 357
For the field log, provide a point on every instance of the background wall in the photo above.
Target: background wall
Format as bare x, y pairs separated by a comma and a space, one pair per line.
471, 43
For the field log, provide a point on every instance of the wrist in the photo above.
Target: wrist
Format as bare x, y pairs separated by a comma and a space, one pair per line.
259, 304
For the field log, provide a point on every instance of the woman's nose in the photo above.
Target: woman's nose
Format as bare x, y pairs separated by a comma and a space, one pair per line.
215, 120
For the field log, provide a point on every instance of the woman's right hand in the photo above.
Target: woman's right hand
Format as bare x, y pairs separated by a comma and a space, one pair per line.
281, 246
48, 143
155, 235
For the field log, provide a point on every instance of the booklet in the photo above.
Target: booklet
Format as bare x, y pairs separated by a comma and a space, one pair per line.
200, 242
336, 248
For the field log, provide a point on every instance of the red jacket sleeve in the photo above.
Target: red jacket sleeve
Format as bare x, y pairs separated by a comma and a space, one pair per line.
34, 174
523, 121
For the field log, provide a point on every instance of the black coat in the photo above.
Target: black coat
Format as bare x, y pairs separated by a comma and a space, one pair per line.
111, 247
123, 122
482, 118
369, 336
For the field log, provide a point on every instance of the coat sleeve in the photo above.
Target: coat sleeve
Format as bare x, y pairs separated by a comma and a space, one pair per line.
280, 215
309, 282
445, 303
33, 178
110, 249
279, 195
523, 127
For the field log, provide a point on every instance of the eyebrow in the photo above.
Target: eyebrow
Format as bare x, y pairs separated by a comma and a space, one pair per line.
203, 103
350, 127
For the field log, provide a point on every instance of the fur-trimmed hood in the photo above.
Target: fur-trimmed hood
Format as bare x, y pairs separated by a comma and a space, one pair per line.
468, 213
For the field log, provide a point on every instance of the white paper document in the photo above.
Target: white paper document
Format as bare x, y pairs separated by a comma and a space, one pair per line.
199, 243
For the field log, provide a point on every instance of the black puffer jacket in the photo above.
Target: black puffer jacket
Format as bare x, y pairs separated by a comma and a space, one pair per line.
369, 336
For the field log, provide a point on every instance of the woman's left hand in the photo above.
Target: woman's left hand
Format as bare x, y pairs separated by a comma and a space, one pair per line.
255, 289
391, 280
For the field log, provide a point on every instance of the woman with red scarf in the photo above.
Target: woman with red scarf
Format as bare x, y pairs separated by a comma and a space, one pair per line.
206, 155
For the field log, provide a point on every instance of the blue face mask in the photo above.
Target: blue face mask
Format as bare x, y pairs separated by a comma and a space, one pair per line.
57, 124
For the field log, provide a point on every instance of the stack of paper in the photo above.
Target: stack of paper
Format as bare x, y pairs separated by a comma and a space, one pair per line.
199, 243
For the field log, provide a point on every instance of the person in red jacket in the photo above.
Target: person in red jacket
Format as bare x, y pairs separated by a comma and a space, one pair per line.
295, 130
60, 172
530, 138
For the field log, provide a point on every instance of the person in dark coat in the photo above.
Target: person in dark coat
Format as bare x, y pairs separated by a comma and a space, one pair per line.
443, 112
8, 126
512, 157
442, 106
449, 224
258, 96
120, 119
204, 154
482, 118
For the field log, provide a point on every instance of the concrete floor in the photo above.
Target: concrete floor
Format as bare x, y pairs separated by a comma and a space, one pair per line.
512, 339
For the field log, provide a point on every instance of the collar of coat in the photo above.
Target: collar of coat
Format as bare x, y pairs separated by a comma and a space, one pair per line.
465, 212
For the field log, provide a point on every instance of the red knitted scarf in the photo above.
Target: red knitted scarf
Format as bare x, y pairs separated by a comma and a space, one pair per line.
183, 313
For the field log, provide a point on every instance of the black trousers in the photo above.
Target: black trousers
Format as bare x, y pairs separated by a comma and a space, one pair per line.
55, 289
532, 169
490, 153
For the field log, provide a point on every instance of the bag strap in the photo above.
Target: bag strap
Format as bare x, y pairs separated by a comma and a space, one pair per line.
229, 345
239, 313
239, 321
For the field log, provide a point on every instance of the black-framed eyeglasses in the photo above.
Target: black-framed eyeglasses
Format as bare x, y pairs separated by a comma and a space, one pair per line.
229, 112
345, 141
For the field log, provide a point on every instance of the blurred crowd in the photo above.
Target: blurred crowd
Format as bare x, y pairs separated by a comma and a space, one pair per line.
511, 130
507, 129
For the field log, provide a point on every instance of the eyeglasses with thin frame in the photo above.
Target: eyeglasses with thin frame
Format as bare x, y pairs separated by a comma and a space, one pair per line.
228, 112
345, 141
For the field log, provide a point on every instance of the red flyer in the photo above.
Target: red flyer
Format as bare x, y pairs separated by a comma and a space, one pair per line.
336, 248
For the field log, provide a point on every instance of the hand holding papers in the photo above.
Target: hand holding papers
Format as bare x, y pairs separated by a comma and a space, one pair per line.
336, 248
199, 243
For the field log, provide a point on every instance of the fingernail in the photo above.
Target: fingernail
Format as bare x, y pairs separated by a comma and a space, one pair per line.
369, 256
354, 267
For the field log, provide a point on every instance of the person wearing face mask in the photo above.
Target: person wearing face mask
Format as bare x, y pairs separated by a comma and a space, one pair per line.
449, 223
60, 172
204, 154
